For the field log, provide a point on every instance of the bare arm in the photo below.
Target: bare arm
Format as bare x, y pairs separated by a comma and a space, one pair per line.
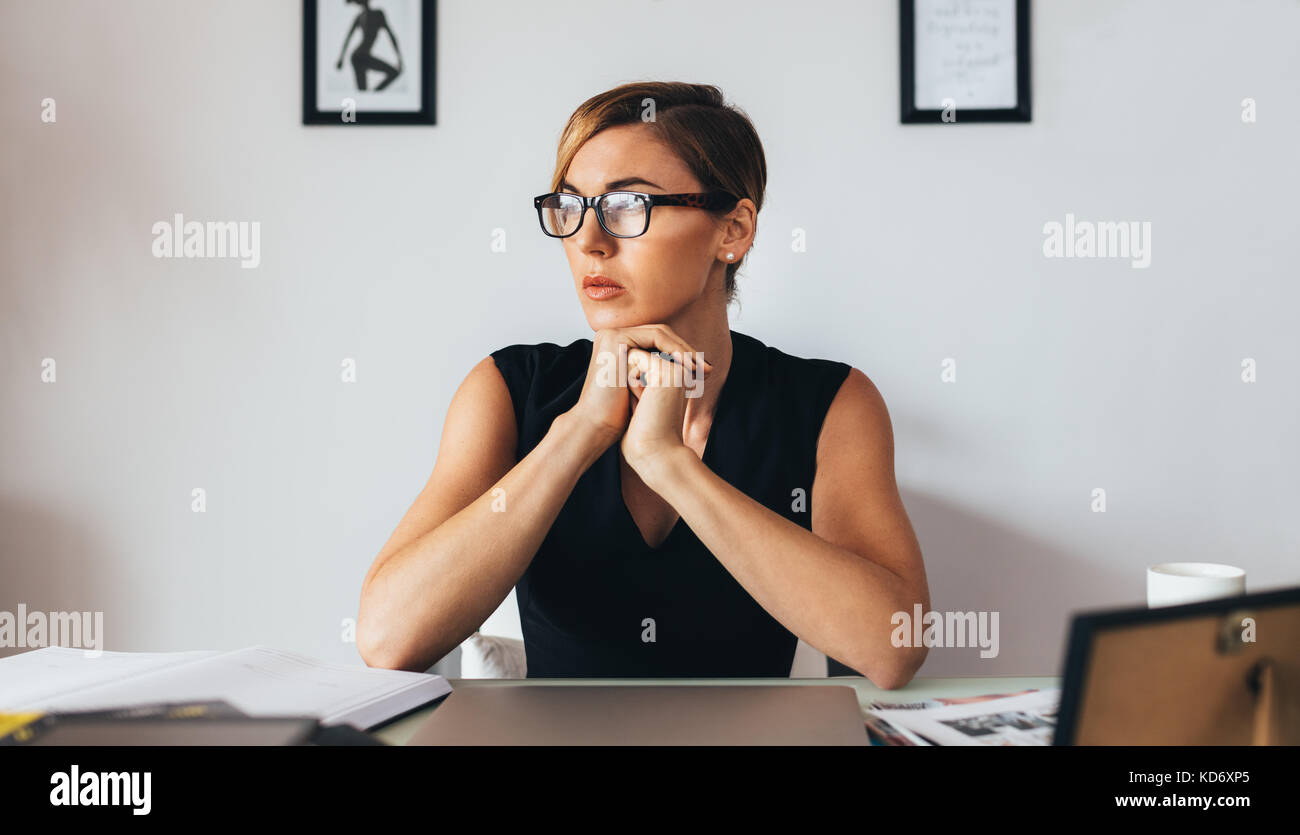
474, 528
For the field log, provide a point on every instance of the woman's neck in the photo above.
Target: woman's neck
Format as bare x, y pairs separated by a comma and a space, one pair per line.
708, 332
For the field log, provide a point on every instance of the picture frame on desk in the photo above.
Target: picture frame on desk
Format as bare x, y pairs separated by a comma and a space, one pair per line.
369, 62
964, 61
1126, 671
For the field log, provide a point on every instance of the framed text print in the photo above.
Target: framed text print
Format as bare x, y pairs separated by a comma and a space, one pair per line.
368, 62
964, 60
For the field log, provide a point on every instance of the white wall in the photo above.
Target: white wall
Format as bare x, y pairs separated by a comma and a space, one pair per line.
924, 242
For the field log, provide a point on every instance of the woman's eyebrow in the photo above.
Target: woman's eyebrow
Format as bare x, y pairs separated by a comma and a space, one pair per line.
613, 185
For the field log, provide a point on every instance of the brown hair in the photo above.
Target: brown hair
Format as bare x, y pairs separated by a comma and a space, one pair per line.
716, 140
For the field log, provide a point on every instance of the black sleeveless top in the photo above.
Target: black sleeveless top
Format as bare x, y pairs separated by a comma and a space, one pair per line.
596, 600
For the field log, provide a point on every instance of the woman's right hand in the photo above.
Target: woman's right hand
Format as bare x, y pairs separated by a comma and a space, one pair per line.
604, 404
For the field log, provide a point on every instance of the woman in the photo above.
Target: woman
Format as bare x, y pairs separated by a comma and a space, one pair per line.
692, 516
371, 22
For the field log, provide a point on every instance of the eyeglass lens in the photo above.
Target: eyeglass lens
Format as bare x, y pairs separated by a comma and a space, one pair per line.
624, 214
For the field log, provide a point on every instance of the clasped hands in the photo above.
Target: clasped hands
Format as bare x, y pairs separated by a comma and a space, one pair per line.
660, 384
638, 385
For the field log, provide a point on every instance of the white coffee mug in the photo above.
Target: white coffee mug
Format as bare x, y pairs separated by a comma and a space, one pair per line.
1172, 583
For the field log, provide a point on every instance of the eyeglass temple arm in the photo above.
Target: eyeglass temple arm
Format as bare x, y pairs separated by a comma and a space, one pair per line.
711, 200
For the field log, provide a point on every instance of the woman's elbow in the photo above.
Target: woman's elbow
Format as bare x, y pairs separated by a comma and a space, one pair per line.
394, 645
377, 643
374, 649
897, 669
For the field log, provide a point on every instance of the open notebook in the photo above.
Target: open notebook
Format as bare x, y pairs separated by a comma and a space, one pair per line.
259, 681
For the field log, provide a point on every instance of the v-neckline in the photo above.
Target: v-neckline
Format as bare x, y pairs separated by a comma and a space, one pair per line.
709, 445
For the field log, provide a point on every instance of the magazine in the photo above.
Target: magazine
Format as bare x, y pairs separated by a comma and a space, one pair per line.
1026, 717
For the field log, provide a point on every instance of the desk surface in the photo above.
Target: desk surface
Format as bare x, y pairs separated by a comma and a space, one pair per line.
919, 688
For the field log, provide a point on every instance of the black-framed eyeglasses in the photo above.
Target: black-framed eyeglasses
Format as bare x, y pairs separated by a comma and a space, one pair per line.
623, 214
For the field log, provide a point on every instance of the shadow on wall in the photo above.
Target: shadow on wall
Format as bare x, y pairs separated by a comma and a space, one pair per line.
48, 563
975, 563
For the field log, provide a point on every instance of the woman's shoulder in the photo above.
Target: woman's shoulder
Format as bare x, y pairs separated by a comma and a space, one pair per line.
791, 368
796, 392
536, 355
523, 362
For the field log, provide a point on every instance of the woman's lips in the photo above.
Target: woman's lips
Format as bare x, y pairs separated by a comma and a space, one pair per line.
600, 288
600, 292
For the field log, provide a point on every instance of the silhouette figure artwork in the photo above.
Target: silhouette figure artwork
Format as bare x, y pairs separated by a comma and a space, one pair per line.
371, 22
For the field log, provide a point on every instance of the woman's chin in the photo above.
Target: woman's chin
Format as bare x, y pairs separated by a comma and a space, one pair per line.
601, 315
624, 313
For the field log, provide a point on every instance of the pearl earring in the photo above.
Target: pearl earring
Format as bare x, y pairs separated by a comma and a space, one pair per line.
731, 256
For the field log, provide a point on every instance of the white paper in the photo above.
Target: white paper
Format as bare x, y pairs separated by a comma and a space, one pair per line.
32, 678
966, 54
259, 681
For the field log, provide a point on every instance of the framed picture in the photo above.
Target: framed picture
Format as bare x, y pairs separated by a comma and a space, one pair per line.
964, 60
368, 62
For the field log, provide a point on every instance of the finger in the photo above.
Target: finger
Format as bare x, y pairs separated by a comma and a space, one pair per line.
677, 365
685, 354
656, 368
664, 393
638, 366
640, 361
662, 338
663, 372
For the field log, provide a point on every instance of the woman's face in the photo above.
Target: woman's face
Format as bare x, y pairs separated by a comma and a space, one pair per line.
663, 271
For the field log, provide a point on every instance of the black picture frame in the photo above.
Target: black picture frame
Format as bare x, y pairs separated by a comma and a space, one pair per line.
426, 115
910, 114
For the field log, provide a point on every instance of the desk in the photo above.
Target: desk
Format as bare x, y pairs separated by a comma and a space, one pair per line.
403, 729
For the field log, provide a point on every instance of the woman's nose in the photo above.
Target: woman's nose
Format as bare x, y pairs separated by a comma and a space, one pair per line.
591, 233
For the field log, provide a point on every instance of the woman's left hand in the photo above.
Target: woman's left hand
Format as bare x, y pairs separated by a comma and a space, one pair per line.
659, 388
